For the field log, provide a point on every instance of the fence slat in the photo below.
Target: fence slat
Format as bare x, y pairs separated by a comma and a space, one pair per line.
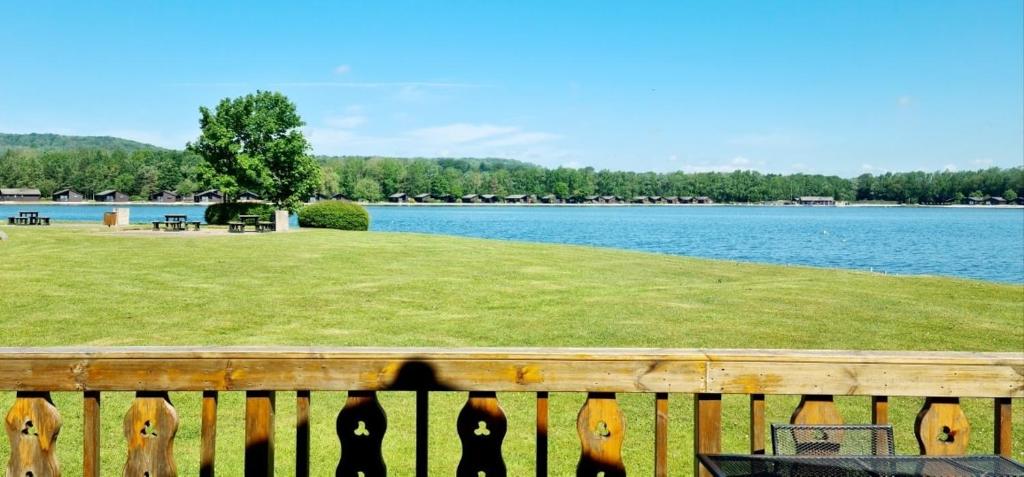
661, 435
259, 433
601, 428
542, 434
208, 435
32, 425
361, 426
422, 432
816, 409
302, 434
879, 409
1003, 427
481, 426
707, 428
757, 425
149, 427
91, 434
942, 427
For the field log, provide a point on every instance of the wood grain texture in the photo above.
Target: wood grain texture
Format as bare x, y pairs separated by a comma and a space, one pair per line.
515, 369
361, 426
1003, 444
32, 426
757, 424
601, 427
91, 434
542, 434
707, 428
208, 435
260, 409
661, 435
302, 434
149, 427
942, 428
481, 426
816, 409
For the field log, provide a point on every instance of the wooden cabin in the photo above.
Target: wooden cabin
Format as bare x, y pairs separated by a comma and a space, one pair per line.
470, 199
490, 199
111, 195
398, 197
422, 198
672, 199
609, 199
1019, 200
446, 198
996, 201
815, 200
656, 199
318, 197
248, 196
212, 196
550, 199
341, 197
518, 199
164, 196
703, 200
640, 199
67, 195
686, 199
20, 194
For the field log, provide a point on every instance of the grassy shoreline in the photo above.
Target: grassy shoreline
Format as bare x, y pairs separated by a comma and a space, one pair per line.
85, 285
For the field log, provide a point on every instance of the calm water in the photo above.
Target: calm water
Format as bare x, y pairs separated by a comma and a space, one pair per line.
986, 244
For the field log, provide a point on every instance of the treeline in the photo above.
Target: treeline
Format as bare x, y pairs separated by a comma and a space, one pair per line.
143, 171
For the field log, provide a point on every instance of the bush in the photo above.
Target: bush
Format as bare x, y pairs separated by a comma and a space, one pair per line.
333, 214
221, 214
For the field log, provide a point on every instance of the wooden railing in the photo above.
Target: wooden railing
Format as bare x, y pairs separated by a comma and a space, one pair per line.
151, 421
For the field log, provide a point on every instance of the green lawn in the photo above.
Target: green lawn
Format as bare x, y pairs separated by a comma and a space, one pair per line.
71, 285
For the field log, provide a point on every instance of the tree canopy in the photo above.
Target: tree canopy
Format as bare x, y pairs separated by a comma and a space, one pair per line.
254, 143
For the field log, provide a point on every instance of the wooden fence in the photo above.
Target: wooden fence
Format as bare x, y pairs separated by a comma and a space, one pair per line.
151, 421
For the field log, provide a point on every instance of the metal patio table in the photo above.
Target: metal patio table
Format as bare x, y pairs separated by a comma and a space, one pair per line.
734, 465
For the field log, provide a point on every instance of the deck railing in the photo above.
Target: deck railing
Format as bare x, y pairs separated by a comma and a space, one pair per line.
150, 423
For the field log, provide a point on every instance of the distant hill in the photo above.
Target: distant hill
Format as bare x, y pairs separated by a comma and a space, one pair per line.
61, 142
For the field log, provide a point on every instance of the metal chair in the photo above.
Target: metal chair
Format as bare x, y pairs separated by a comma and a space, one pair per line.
832, 440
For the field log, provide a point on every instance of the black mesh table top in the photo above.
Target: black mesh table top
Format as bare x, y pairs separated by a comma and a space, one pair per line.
735, 465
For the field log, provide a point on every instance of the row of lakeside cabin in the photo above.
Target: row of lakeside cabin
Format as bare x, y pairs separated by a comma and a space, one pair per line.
401, 197
212, 196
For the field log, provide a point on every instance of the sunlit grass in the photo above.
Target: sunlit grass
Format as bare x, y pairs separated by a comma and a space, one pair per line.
83, 285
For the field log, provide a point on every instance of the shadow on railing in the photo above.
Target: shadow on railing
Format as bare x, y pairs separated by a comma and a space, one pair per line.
151, 422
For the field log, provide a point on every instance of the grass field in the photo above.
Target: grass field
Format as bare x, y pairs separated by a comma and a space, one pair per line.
78, 284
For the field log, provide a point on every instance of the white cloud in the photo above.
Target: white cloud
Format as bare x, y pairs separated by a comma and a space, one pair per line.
521, 139
345, 122
983, 162
461, 133
734, 164
342, 69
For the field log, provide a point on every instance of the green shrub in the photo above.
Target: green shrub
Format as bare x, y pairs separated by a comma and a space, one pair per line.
221, 214
333, 214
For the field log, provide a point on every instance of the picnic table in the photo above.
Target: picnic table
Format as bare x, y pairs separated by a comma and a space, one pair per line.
724, 465
175, 222
28, 218
250, 220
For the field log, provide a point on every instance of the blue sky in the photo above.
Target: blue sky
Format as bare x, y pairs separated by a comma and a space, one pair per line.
777, 86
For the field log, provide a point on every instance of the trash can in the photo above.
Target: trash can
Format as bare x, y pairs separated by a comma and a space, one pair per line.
110, 219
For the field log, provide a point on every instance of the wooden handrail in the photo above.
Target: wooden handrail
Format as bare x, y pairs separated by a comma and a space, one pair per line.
955, 374
151, 421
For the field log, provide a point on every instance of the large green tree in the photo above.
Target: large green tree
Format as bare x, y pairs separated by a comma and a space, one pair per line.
254, 143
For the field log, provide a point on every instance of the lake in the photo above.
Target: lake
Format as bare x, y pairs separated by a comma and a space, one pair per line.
980, 243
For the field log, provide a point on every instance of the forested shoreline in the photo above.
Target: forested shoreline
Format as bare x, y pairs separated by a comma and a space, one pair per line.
143, 171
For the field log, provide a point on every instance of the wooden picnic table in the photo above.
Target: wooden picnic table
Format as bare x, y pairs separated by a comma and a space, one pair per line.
250, 220
176, 223
726, 465
28, 218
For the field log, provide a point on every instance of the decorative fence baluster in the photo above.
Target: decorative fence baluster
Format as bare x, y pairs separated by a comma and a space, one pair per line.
32, 427
816, 409
482, 427
91, 434
601, 427
942, 427
361, 426
150, 425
